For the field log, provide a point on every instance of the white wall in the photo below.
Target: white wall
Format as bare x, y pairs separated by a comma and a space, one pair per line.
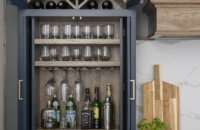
180, 64
1, 64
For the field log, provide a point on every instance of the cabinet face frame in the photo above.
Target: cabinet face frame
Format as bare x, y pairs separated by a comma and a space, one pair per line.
127, 20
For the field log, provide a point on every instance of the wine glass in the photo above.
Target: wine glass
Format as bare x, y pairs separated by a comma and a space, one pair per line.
54, 53
87, 32
76, 54
55, 31
44, 54
64, 88
87, 53
108, 31
106, 53
98, 31
45, 30
97, 53
65, 53
76, 31
67, 31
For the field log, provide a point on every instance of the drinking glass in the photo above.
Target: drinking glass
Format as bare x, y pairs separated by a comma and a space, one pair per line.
76, 54
106, 53
55, 31
50, 88
64, 53
108, 31
76, 32
87, 32
45, 30
87, 53
67, 31
98, 53
54, 53
63, 123
44, 54
98, 31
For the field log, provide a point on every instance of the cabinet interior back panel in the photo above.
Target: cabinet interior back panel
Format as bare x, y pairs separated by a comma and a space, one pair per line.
89, 79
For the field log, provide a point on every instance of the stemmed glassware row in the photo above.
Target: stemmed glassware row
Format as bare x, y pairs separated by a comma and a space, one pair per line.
68, 31
66, 53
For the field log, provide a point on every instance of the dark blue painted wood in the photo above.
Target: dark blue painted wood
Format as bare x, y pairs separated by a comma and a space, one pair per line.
121, 76
132, 3
76, 13
19, 3
133, 67
33, 71
128, 72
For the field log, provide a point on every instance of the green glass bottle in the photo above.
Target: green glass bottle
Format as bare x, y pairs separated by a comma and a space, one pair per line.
56, 106
97, 109
71, 113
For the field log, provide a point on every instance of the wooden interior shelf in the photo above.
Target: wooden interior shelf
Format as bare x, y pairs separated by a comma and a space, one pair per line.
77, 63
77, 41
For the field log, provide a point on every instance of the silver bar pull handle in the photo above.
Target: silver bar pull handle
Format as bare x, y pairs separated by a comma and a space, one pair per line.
133, 82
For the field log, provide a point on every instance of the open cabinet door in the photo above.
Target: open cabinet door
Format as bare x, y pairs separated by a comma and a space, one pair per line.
17, 78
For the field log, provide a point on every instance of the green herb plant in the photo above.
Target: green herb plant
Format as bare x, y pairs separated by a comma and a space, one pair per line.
156, 124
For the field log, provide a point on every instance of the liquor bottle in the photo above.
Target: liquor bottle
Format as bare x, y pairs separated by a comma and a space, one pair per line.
97, 109
78, 87
56, 106
87, 112
62, 5
71, 113
36, 4
92, 4
51, 5
48, 117
107, 4
108, 110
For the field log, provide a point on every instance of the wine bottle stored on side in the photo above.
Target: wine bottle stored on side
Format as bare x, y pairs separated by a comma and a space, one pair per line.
63, 5
97, 109
56, 106
51, 5
36, 4
107, 4
92, 4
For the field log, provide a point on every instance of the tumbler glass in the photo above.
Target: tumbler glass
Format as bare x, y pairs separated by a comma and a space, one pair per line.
98, 53
45, 30
106, 53
44, 54
108, 31
64, 53
98, 31
55, 31
67, 31
76, 31
87, 53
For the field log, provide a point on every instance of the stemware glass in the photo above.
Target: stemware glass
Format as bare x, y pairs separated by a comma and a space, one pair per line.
64, 53
45, 30
50, 88
64, 88
87, 32
76, 54
98, 31
108, 31
54, 53
44, 54
78, 87
76, 31
87, 53
67, 31
106, 53
97, 53
55, 31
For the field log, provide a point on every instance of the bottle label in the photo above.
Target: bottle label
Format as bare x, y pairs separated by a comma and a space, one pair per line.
52, 114
96, 112
70, 103
55, 103
58, 115
70, 115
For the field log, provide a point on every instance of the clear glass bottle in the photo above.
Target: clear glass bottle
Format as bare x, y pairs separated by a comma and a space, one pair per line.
71, 113
87, 112
64, 88
78, 87
56, 106
48, 117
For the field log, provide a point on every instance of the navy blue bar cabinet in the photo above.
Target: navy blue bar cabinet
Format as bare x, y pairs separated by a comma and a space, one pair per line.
29, 67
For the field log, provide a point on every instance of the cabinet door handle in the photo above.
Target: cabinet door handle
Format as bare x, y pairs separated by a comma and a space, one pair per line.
20, 82
133, 82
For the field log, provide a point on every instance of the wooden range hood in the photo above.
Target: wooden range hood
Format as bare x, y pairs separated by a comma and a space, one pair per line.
173, 19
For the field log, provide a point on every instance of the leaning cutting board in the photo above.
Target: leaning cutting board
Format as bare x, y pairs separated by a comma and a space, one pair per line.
161, 100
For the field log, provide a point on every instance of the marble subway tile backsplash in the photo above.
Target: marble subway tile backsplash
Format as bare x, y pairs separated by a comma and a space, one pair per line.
180, 65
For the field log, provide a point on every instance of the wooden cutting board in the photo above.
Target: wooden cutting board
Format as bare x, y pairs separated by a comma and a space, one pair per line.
161, 99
